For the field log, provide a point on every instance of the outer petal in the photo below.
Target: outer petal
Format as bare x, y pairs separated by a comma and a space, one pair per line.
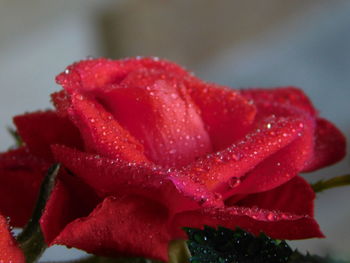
62, 102
41, 129
275, 224
115, 177
96, 74
287, 96
226, 114
70, 200
121, 226
330, 145
101, 133
282, 165
9, 250
20, 177
295, 196
218, 170
155, 107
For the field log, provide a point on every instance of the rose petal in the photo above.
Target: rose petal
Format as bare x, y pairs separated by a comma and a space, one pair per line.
276, 224
70, 199
330, 145
20, 177
166, 142
62, 102
96, 74
287, 96
41, 129
226, 114
9, 250
155, 107
282, 165
117, 226
101, 133
115, 177
218, 170
296, 197
329, 142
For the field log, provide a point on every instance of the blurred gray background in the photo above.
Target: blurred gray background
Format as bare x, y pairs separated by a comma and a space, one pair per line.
237, 43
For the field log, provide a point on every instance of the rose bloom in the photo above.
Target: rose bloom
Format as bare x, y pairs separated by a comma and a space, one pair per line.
147, 148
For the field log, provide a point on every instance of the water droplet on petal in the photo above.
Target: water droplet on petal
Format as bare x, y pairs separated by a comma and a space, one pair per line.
234, 182
271, 217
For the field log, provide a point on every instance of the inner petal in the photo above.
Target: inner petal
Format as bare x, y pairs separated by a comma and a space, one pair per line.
156, 109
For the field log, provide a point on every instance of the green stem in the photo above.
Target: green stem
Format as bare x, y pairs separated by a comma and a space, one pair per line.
331, 183
31, 239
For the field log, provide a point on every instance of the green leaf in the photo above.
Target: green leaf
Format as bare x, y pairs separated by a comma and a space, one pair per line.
31, 239
331, 183
223, 245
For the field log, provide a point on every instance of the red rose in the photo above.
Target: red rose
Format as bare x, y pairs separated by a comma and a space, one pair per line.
147, 148
9, 250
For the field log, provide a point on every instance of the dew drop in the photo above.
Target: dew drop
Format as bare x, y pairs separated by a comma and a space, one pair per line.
234, 182
271, 217
235, 157
173, 151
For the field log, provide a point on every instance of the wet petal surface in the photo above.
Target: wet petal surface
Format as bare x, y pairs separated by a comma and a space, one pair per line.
156, 109
21, 174
41, 129
117, 226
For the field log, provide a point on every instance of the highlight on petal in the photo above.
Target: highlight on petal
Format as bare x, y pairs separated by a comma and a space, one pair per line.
21, 175
9, 250
41, 129
228, 116
122, 226
155, 108
330, 145
101, 132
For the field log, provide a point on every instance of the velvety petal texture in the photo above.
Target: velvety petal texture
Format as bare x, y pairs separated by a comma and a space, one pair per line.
9, 250
21, 174
41, 129
123, 226
147, 148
